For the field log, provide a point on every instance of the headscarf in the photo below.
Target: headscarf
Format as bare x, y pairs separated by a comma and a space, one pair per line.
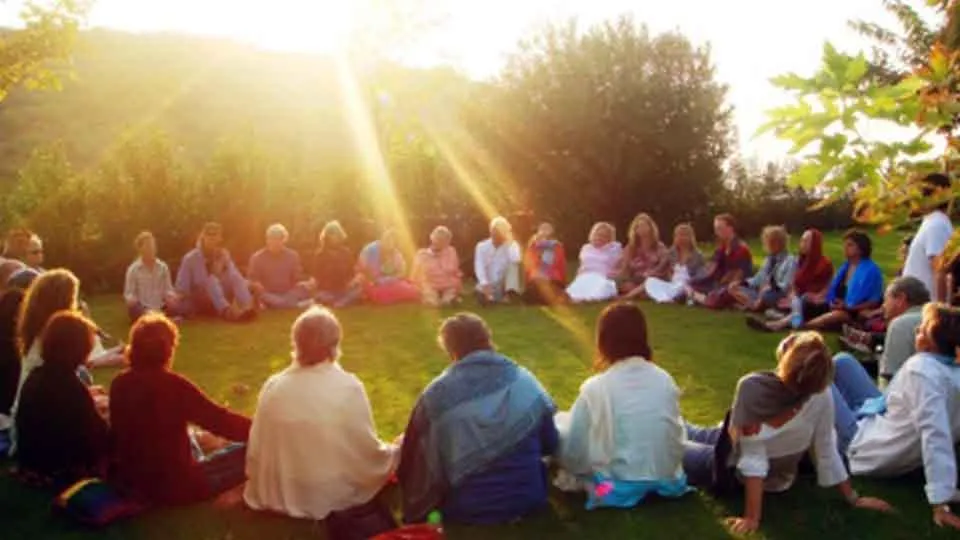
813, 268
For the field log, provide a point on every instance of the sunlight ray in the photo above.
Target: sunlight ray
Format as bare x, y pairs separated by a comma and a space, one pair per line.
387, 206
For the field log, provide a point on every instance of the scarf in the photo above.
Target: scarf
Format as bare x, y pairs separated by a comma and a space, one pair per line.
760, 397
476, 412
814, 270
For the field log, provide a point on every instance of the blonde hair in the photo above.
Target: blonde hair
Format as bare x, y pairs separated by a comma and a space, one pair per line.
331, 228
776, 233
689, 229
601, 226
632, 240
804, 363
52, 291
499, 222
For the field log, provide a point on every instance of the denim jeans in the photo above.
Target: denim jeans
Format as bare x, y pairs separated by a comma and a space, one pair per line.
218, 293
852, 386
341, 299
698, 454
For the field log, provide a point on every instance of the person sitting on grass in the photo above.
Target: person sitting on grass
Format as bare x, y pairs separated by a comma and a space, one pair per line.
545, 268
148, 285
811, 281
644, 257
903, 310
686, 263
770, 285
51, 292
384, 272
293, 431
916, 422
151, 409
496, 264
10, 302
61, 437
623, 438
474, 446
209, 283
276, 273
731, 263
856, 290
436, 270
9, 267
334, 277
596, 276
24, 246
776, 419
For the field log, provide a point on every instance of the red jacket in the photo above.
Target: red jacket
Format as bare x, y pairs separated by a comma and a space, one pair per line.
149, 413
545, 259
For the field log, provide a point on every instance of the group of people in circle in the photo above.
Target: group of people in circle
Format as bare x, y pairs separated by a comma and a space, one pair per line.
485, 439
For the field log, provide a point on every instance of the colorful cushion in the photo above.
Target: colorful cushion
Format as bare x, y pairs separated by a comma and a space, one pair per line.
93, 502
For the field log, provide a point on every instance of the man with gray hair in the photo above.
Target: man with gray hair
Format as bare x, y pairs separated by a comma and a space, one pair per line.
313, 449
276, 273
903, 309
496, 264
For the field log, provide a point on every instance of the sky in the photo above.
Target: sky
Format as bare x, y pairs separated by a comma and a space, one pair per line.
751, 40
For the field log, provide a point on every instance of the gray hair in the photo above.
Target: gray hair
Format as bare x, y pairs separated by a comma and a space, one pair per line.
316, 336
279, 231
465, 333
500, 222
912, 288
441, 231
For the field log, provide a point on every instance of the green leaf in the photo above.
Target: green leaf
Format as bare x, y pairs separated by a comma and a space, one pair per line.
808, 175
792, 81
856, 69
833, 144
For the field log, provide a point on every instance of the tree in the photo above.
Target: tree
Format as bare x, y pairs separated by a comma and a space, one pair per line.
48, 34
896, 52
609, 121
839, 158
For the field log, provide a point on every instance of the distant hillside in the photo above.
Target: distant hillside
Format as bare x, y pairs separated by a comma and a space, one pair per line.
195, 89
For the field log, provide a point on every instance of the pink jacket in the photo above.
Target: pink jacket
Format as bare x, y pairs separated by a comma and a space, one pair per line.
437, 270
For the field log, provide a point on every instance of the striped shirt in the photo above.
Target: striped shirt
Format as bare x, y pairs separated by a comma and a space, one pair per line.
148, 285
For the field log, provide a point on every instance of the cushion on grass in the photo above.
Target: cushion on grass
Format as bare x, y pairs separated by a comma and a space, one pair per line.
93, 502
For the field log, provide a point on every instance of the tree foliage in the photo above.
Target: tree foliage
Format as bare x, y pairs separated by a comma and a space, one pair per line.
627, 120
47, 35
838, 112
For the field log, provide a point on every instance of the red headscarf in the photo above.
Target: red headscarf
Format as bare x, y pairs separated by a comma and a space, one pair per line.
815, 271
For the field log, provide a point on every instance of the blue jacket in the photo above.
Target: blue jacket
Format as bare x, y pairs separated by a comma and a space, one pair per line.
866, 284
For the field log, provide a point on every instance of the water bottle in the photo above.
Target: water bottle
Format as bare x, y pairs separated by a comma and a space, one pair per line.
796, 312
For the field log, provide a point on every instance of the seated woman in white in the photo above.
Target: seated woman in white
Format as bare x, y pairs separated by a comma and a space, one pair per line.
623, 439
313, 447
598, 266
916, 422
776, 418
686, 263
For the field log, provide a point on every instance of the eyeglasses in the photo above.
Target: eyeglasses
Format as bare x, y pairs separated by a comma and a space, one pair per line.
35, 252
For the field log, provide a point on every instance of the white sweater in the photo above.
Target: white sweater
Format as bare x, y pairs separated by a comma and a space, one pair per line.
490, 263
774, 453
920, 427
313, 448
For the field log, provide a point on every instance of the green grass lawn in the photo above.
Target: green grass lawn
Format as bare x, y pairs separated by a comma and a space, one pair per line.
394, 352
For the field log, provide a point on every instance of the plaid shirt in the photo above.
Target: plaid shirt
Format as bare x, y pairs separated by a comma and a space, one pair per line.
147, 285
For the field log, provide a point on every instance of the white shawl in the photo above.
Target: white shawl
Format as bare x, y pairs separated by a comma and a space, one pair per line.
313, 447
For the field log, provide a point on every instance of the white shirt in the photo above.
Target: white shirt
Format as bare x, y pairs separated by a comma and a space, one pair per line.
774, 453
148, 285
920, 427
930, 241
625, 424
490, 263
313, 448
